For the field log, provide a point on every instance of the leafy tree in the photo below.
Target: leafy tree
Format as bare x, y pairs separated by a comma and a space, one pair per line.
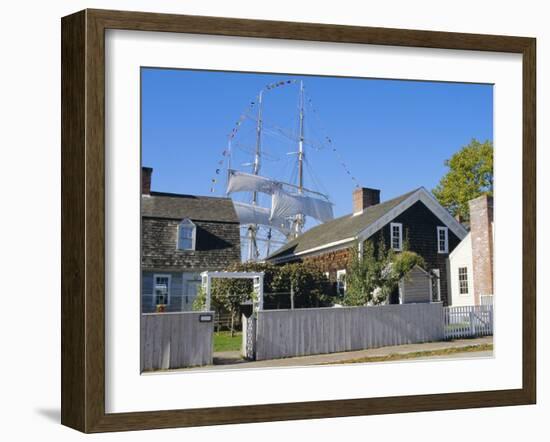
363, 275
470, 175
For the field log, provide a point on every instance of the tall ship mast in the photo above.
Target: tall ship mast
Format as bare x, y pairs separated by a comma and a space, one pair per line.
275, 210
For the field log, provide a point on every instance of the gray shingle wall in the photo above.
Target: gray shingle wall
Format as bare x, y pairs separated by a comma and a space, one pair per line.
217, 246
217, 243
420, 226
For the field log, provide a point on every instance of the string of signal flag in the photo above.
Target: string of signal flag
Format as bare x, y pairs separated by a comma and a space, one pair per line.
245, 114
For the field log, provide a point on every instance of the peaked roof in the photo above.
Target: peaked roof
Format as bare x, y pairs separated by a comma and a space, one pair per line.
196, 208
339, 229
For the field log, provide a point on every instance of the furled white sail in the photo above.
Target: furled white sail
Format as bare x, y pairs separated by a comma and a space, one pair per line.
286, 204
252, 214
247, 182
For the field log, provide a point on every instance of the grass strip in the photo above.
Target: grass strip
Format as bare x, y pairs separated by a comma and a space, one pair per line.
416, 354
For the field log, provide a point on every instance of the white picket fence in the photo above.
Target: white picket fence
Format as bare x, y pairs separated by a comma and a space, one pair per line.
468, 321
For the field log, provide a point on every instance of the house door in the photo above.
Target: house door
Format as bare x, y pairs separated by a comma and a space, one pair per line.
191, 285
395, 296
191, 291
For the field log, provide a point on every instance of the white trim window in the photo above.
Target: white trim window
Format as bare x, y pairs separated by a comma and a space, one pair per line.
187, 235
396, 236
341, 282
161, 289
463, 280
442, 240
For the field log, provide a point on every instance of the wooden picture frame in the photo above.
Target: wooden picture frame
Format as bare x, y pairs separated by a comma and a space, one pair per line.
83, 220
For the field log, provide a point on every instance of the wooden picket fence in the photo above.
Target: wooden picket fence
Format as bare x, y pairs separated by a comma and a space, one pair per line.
468, 321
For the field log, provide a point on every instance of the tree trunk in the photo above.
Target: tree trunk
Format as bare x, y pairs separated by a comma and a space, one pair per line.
232, 324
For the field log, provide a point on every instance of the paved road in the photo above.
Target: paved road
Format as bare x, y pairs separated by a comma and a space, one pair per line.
232, 360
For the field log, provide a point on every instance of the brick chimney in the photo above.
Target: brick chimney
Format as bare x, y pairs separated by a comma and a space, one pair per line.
146, 173
481, 230
364, 197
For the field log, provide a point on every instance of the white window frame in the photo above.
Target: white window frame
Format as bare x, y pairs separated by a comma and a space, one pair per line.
446, 230
187, 223
161, 275
400, 226
338, 281
467, 281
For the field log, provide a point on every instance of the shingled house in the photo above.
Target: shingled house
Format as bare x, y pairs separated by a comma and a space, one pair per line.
431, 231
182, 235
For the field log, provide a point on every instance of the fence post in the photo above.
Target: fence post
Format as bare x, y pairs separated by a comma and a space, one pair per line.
250, 339
472, 324
291, 296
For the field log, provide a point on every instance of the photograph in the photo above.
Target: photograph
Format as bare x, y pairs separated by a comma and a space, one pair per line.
303, 220
275, 222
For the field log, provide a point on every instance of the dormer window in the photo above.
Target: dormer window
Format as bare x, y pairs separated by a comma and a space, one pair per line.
187, 235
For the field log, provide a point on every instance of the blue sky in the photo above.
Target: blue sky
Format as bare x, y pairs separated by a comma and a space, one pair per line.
392, 135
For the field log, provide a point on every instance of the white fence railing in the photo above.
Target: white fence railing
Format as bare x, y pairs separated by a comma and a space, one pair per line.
468, 321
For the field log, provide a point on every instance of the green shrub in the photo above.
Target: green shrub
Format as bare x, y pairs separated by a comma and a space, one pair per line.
372, 278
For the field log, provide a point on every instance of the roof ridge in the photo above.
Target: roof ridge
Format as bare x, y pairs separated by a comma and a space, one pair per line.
195, 207
186, 195
350, 220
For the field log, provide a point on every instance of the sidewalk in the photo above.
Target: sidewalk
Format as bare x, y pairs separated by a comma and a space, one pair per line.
230, 360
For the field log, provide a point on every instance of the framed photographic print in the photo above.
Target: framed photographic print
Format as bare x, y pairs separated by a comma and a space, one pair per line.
267, 221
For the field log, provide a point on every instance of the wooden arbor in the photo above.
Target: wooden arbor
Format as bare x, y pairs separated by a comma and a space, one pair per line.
257, 278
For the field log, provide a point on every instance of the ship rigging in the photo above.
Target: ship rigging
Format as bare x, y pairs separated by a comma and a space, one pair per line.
272, 211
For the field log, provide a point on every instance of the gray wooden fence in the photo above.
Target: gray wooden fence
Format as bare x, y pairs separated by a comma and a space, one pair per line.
176, 340
288, 333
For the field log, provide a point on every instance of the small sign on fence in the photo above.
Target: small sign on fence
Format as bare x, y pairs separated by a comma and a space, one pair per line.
205, 318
